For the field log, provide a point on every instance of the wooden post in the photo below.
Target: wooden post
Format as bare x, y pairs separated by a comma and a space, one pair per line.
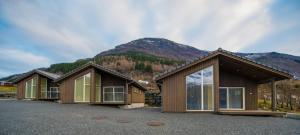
38, 87
93, 86
216, 73
274, 96
126, 93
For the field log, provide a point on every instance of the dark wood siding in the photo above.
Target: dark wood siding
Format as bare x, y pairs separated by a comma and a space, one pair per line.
174, 87
229, 79
111, 80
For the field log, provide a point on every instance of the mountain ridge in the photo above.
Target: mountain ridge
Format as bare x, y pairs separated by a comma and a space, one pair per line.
143, 58
159, 47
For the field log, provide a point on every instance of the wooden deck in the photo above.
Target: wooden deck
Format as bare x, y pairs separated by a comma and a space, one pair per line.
253, 113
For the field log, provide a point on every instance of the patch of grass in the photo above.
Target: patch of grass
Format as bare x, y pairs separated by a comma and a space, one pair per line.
287, 109
265, 105
8, 89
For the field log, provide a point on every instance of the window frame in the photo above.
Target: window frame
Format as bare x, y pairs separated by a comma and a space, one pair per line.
98, 86
227, 99
84, 88
31, 87
202, 89
46, 90
56, 91
113, 88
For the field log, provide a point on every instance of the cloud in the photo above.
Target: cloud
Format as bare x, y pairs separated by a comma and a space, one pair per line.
232, 25
86, 28
48, 29
18, 61
80, 28
63, 31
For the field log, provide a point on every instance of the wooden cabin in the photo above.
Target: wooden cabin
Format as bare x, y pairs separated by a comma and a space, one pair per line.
219, 81
37, 85
95, 84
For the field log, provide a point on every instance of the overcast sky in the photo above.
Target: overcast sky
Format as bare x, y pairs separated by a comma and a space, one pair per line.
39, 33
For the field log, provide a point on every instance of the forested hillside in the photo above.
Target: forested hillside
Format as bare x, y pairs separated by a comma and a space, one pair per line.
144, 58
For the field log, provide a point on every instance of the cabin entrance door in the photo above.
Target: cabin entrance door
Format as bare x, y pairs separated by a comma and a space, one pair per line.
232, 98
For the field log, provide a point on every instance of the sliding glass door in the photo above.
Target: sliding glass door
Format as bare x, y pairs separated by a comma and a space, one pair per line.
98, 87
44, 89
82, 88
30, 88
232, 98
194, 91
199, 90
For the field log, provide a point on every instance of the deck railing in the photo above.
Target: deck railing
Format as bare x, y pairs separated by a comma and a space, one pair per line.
52, 93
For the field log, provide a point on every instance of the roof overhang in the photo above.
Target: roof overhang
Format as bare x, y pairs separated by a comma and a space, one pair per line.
226, 57
36, 71
250, 70
103, 69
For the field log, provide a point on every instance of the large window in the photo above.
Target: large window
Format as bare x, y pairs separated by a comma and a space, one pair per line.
44, 93
82, 88
113, 94
232, 98
98, 88
30, 88
199, 90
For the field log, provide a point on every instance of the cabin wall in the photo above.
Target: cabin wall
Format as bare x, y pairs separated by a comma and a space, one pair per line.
137, 95
66, 87
21, 87
174, 87
50, 83
111, 80
228, 79
38, 95
22, 84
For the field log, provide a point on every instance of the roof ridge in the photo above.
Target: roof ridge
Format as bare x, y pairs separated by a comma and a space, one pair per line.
220, 50
50, 75
111, 71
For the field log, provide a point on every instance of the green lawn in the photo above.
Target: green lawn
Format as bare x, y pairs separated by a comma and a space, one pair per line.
266, 105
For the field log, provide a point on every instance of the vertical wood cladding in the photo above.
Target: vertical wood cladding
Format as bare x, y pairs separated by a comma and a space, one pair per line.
93, 86
174, 87
228, 79
38, 87
137, 95
67, 86
21, 87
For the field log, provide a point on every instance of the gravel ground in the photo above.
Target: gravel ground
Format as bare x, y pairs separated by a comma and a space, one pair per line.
41, 117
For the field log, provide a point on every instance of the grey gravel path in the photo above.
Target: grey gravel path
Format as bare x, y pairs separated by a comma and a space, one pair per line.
41, 117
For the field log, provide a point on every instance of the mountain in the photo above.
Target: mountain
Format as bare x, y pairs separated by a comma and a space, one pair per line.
281, 61
158, 47
143, 58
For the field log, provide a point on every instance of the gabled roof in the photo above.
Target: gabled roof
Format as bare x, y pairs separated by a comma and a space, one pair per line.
109, 71
40, 72
223, 53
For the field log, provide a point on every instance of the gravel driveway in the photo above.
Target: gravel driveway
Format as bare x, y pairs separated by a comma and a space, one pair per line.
41, 117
